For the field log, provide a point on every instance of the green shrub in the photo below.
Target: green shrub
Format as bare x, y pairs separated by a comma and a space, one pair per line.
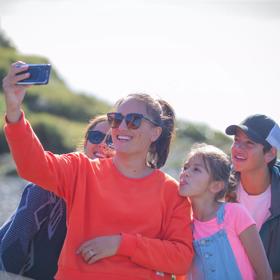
56, 99
56, 134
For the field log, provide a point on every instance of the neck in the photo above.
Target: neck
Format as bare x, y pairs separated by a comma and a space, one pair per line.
132, 166
255, 182
204, 209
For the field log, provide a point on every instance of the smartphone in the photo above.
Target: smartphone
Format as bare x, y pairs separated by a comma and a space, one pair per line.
39, 74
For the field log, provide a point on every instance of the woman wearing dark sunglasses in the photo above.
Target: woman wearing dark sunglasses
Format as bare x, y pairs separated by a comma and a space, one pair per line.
125, 218
98, 140
31, 240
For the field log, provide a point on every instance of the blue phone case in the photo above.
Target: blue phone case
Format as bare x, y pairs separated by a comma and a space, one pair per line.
39, 74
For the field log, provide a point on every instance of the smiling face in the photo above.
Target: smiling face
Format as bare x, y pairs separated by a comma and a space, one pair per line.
247, 155
134, 141
98, 150
195, 179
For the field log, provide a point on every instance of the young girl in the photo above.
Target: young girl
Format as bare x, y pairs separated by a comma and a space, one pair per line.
226, 241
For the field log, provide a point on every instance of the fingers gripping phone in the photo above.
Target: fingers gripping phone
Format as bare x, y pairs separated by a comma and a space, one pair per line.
39, 74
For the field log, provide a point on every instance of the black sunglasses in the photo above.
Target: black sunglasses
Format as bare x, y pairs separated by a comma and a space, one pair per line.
132, 120
96, 137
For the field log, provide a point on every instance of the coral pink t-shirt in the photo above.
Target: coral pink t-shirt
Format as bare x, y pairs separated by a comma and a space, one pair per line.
236, 220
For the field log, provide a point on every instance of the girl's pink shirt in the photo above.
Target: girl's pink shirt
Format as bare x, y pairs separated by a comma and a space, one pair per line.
236, 220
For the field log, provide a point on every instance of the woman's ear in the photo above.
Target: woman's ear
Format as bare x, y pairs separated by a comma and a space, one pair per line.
270, 155
156, 132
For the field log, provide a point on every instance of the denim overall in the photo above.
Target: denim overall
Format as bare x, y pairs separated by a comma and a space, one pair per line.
214, 258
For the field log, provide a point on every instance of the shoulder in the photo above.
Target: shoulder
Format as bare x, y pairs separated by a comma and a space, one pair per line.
33, 195
167, 181
102, 165
232, 207
75, 160
170, 189
33, 189
237, 214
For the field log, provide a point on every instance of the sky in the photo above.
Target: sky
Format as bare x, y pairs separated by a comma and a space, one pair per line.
215, 62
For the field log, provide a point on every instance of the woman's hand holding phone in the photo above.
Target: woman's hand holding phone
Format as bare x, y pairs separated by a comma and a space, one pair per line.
14, 93
18, 79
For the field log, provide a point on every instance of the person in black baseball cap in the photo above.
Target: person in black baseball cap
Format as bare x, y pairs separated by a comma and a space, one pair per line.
259, 128
257, 170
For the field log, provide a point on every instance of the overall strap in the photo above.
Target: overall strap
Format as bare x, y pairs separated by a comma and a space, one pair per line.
220, 214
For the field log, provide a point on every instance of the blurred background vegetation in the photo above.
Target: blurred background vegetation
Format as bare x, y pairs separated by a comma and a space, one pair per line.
59, 116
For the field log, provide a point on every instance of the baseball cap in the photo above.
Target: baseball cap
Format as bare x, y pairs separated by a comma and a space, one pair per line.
259, 128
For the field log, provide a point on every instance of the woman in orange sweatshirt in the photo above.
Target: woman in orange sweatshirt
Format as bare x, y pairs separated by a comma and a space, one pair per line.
125, 219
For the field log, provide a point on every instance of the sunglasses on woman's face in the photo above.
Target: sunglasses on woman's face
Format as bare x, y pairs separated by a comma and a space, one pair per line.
132, 120
96, 137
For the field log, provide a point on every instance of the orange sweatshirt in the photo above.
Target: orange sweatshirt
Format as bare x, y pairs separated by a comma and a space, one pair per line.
153, 219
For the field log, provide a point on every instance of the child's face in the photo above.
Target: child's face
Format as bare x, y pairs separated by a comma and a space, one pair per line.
194, 178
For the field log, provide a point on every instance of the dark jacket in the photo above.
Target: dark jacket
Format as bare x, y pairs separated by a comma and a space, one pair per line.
31, 241
270, 230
